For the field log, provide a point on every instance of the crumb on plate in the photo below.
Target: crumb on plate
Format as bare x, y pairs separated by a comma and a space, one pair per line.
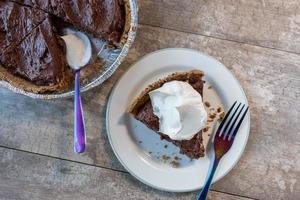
207, 104
175, 164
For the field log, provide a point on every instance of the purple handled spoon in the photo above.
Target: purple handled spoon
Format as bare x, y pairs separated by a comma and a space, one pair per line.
79, 52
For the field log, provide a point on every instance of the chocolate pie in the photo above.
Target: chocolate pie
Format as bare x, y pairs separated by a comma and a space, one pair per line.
32, 54
142, 110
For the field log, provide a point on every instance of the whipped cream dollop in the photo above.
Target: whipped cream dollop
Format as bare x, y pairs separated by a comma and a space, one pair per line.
180, 110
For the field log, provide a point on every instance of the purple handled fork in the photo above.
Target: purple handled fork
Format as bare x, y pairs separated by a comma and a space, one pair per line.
224, 139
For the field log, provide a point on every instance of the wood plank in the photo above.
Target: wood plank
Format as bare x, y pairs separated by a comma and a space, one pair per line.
29, 176
270, 166
268, 23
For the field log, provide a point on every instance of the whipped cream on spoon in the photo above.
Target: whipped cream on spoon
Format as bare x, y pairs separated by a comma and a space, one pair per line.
79, 52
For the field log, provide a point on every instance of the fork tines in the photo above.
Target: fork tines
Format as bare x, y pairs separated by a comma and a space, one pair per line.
232, 121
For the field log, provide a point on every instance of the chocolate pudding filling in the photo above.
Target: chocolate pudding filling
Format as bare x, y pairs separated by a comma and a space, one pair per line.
37, 57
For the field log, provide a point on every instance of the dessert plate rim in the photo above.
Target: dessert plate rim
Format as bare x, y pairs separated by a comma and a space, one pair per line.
144, 170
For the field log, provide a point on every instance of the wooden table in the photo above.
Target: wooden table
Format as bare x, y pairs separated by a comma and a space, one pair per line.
258, 40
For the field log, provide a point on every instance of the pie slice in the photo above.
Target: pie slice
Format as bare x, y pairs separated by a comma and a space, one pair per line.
142, 110
102, 18
38, 59
16, 22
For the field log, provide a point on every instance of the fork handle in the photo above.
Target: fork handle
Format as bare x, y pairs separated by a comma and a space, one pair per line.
207, 185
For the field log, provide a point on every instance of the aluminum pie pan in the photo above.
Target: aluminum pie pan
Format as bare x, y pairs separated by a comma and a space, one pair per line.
112, 57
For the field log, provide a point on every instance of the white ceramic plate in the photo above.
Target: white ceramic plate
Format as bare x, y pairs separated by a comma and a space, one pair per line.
140, 150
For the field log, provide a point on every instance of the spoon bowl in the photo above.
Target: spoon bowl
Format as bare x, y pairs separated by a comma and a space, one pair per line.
79, 49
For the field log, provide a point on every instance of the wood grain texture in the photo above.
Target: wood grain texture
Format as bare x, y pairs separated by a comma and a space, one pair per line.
269, 23
27, 176
270, 166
